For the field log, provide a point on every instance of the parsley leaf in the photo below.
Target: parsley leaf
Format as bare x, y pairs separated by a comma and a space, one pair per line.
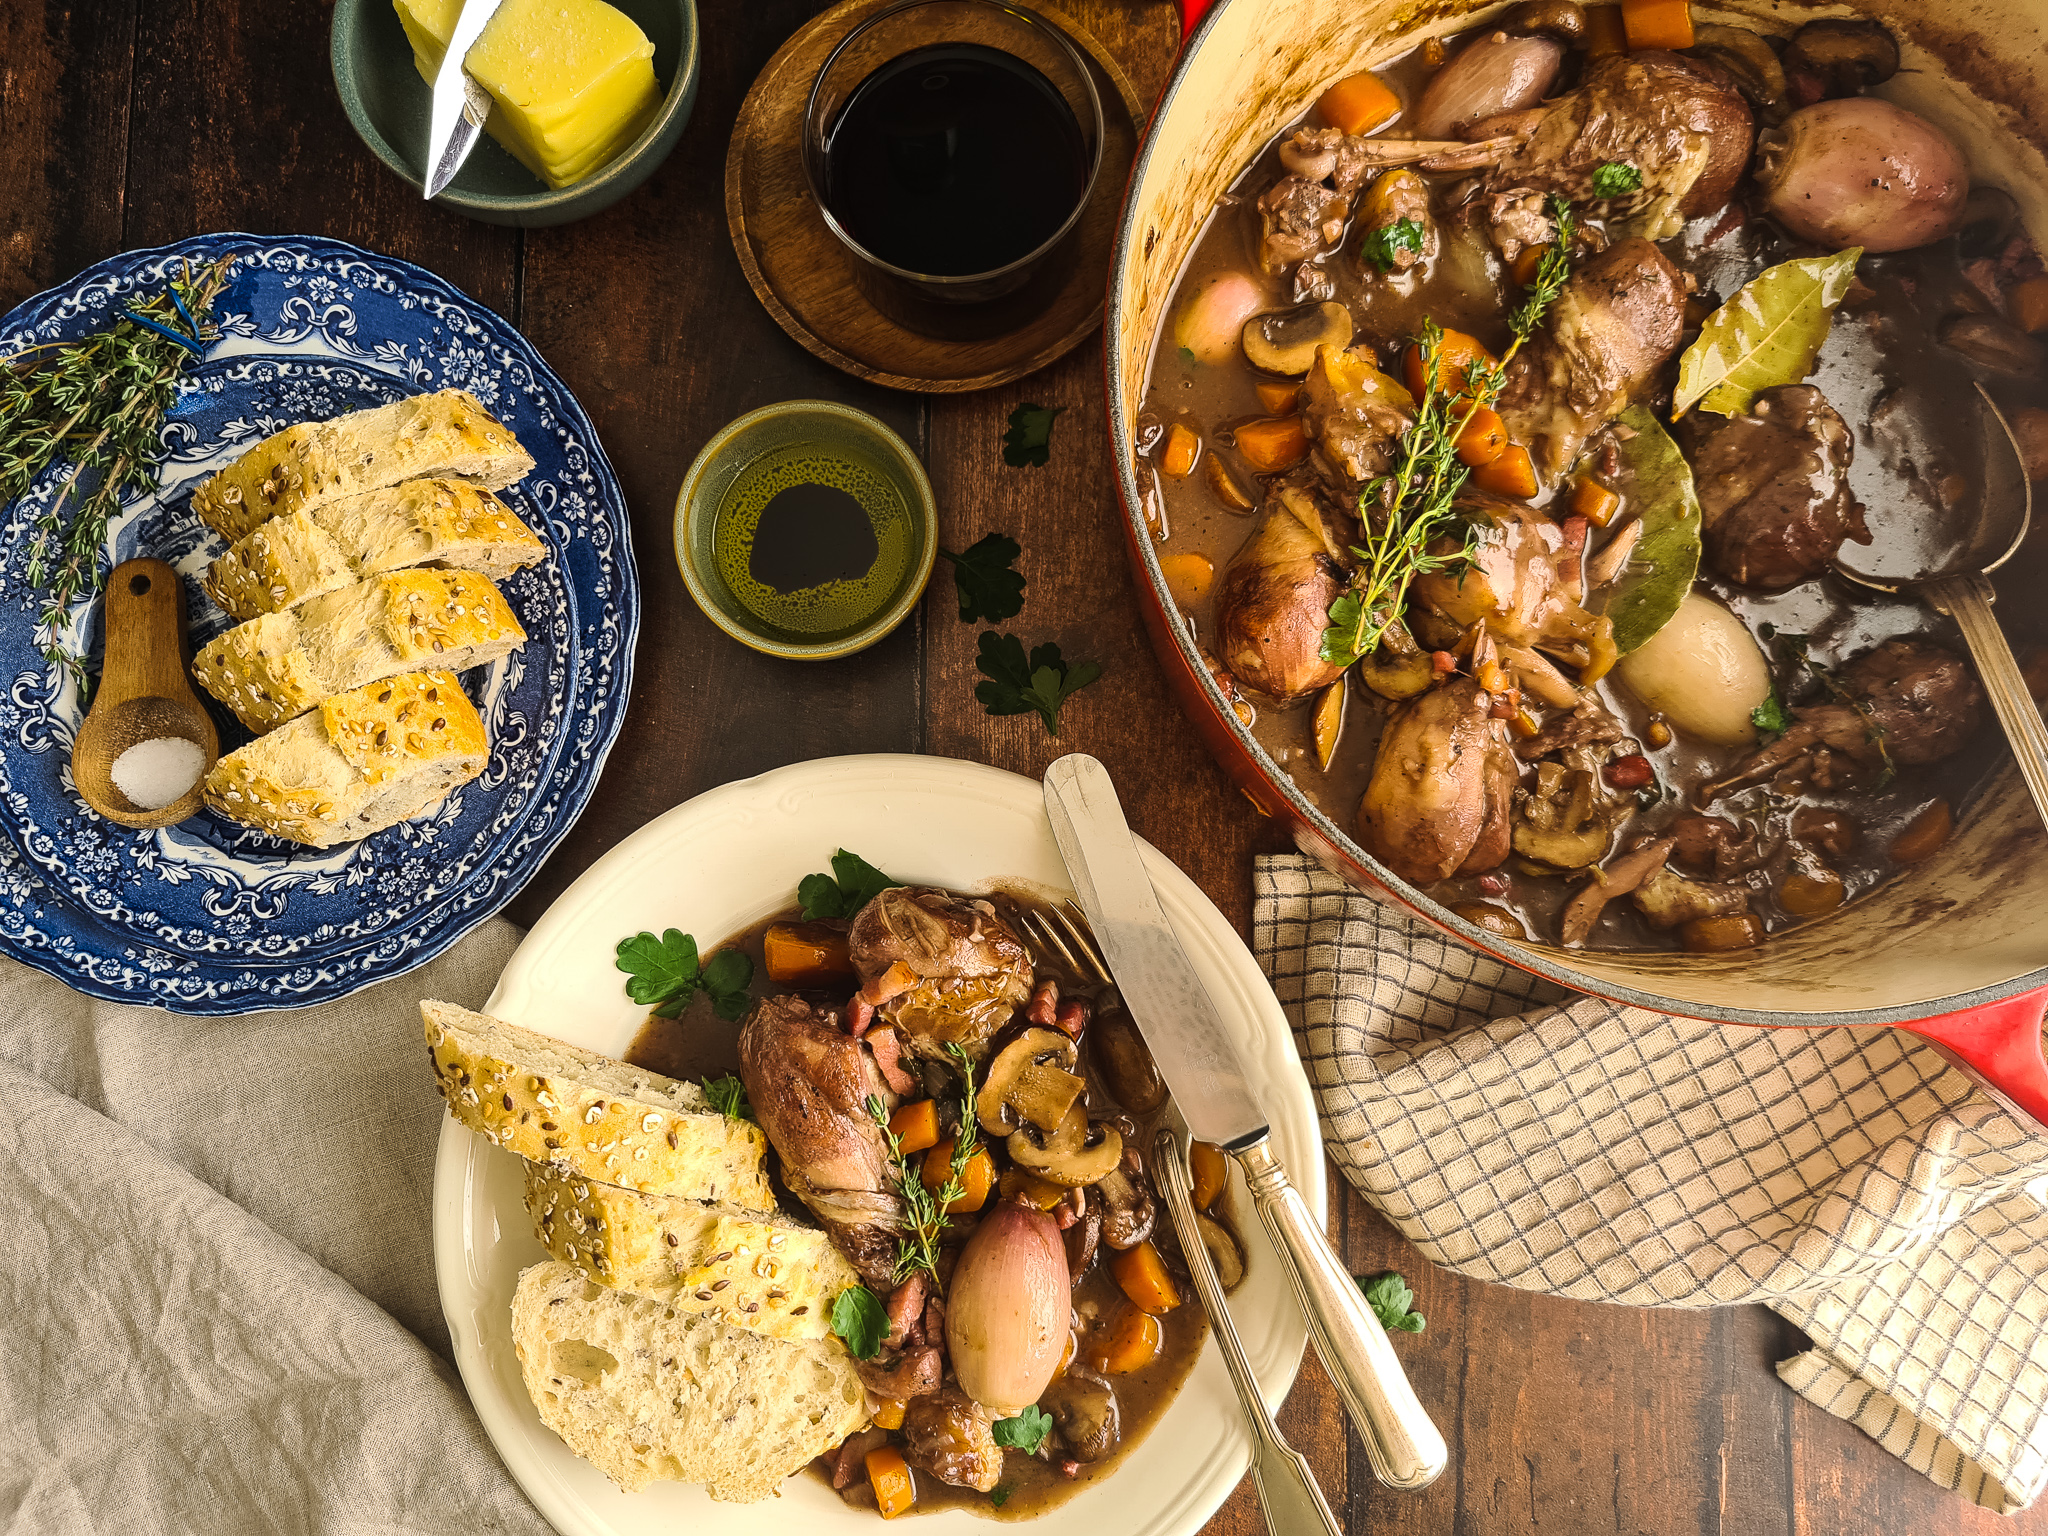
728, 1095
1029, 440
1381, 247
663, 974
989, 590
1616, 178
1017, 685
1000, 1494
1026, 1432
859, 1319
1770, 715
1390, 1299
853, 883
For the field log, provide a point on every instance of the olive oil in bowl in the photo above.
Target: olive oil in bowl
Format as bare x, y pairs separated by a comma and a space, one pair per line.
806, 530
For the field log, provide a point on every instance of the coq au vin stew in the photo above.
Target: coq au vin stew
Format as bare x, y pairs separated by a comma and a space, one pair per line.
968, 1119
1512, 416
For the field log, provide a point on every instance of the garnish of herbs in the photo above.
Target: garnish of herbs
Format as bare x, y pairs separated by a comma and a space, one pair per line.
1405, 512
924, 1210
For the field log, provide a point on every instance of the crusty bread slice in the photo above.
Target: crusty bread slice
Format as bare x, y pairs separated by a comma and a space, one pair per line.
449, 523
276, 667
758, 1270
552, 1102
446, 433
644, 1393
363, 760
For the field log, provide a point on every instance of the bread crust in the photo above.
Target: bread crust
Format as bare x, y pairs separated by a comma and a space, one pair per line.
276, 667
453, 524
445, 433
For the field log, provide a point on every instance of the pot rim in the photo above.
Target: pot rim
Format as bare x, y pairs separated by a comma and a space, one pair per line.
1535, 960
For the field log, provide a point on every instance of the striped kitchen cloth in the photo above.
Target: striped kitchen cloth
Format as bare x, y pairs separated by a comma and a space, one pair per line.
1849, 1178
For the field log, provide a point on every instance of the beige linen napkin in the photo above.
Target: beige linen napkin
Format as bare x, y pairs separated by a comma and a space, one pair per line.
1850, 1178
218, 1278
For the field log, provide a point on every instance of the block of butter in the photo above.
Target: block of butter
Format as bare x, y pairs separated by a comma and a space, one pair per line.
571, 81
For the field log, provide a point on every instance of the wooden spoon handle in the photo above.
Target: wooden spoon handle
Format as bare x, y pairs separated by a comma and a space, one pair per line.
145, 616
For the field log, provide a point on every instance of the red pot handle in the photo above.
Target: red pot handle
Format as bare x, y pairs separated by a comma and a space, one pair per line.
1191, 14
1999, 1046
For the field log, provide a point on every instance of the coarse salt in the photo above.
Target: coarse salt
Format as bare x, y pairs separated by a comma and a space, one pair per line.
159, 772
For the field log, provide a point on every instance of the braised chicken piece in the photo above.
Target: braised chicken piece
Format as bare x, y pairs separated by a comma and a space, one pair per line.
1914, 703
950, 1435
1298, 219
1441, 788
1677, 121
1355, 414
1617, 322
1273, 602
1774, 488
1668, 900
1521, 581
944, 969
809, 1083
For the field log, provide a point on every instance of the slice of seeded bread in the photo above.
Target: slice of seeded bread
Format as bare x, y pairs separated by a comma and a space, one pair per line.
360, 762
276, 667
643, 1392
449, 523
552, 1102
446, 433
761, 1271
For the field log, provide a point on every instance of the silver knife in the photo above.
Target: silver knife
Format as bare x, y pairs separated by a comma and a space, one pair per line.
1174, 1013
460, 104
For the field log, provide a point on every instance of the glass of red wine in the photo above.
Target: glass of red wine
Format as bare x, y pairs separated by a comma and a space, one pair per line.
952, 145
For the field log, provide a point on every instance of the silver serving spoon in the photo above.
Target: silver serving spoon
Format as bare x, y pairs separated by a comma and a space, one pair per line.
1288, 1494
1949, 567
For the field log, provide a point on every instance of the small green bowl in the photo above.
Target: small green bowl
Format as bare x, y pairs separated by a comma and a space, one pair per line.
388, 103
836, 430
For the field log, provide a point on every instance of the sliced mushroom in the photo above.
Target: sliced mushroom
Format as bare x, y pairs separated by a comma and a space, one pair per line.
1031, 1078
1224, 483
1844, 55
1750, 60
1990, 343
1073, 1154
1128, 1210
1123, 1063
1564, 821
1497, 920
1223, 1250
1081, 1240
1668, 900
1398, 668
1084, 1411
1285, 340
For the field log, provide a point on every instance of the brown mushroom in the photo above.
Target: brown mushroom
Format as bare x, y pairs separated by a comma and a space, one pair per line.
1284, 341
1128, 1210
1123, 1063
1560, 18
1081, 1240
1749, 60
1223, 1250
1031, 1079
1397, 668
1084, 1411
1075, 1153
1844, 55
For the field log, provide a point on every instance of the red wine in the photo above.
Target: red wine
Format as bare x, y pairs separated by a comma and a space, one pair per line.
954, 159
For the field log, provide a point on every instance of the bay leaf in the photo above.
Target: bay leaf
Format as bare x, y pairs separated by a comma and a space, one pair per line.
1767, 335
1660, 569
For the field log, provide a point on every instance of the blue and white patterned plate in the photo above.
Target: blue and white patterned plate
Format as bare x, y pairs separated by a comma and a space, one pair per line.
211, 917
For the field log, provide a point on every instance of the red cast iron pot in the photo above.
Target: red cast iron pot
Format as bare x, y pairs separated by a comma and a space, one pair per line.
1956, 949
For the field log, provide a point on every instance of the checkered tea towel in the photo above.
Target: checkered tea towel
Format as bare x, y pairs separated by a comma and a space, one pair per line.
1850, 1178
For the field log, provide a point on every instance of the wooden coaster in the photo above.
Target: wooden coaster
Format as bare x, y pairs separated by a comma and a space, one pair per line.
805, 277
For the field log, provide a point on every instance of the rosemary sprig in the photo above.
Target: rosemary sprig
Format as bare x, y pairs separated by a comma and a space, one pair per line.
924, 1212
98, 402
1396, 548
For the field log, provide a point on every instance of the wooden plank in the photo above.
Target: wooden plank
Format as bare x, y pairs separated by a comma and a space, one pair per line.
65, 78
237, 125
644, 311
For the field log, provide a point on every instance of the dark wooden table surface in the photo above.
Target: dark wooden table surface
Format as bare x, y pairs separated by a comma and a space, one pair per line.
127, 124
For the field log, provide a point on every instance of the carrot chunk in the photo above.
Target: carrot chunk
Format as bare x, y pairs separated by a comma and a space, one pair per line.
2028, 302
1205, 1161
1528, 260
1278, 399
976, 1179
1512, 474
890, 1475
1142, 1274
1482, 439
916, 1126
1924, 834
1657, 23
1271, 443
1189, 575
1358, 104
890, 1414
1130, 1343
805, 955
1182, 445
1594, 502
1457, 353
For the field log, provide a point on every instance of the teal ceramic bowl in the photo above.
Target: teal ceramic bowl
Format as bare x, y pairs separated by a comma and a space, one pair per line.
387, 101
774, 443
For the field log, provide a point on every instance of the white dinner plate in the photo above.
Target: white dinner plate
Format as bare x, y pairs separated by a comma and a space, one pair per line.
713, 867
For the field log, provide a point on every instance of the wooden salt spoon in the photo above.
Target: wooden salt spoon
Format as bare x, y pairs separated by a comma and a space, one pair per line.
145, 694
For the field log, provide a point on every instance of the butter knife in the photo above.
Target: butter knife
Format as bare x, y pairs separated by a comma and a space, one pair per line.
1179, 1022
460, 104
1289, 1495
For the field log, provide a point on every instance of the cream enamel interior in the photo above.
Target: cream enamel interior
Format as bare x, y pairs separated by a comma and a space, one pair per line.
1962, 928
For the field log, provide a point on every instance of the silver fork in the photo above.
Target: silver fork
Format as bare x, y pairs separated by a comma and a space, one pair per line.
1288, 1493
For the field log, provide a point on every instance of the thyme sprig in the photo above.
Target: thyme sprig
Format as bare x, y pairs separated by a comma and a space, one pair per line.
924, 1212
1794, 648
1397, 540
97, 402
